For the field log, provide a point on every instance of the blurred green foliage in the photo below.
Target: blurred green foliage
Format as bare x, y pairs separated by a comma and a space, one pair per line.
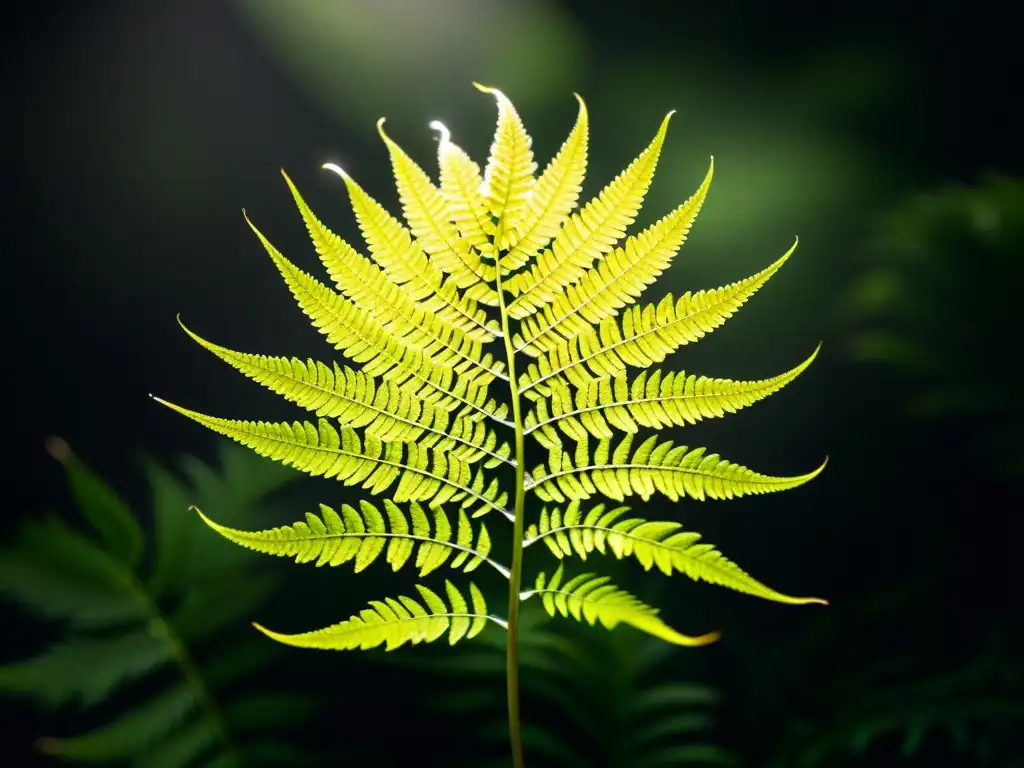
937, 302
849, 692
149, 653
594, 699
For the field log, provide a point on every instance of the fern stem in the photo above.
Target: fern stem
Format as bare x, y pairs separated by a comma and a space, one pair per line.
516, 570
161, 628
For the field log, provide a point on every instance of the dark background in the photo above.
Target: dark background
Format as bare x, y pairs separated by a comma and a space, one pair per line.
136, 131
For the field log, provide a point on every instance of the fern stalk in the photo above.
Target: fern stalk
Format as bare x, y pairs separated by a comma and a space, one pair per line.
160, 627
515, 578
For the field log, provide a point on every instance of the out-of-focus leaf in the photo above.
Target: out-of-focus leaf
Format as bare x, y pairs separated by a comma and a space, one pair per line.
937, 301
87, 669
130, 734
603, 707
671, 695
59, 574
101, 505
692, 754
183, 746
125, 629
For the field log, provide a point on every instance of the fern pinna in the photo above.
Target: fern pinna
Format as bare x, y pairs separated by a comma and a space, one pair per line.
419, 422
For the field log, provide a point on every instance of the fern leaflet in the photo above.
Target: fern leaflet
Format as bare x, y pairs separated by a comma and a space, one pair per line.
394, 622
593, 599
363, 535
653, 544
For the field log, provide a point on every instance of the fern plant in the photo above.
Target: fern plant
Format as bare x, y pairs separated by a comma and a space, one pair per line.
148, 652
429, 316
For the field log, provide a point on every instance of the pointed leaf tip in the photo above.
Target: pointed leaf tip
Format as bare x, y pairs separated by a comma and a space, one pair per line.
438, 126
710, 637
336, 169
58, 448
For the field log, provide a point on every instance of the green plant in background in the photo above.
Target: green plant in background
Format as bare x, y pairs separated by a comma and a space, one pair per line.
825, 703
419, 420
149, 631
936, 302
612, 698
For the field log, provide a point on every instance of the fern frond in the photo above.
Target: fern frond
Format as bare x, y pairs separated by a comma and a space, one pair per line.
395, 622
388, 412
405, 262
588, 234
593, 599
660, 544
654, 401
461, 187
120, 641
553, 196
678, 472
390, 304
353, 331
433, 474
86, 669
426, 212
615, 281
508, 177
131, 734
363, 535
644, 335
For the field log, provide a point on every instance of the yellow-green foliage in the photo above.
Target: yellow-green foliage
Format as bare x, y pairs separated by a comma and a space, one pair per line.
499, 311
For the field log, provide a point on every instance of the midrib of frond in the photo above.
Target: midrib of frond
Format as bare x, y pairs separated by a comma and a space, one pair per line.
742, 388
365, 627
414, 538
233, 430
626, 404
262, 373
725, 296
633, 613
361, 280
757, 478
633, 610
250, 536
724, 576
